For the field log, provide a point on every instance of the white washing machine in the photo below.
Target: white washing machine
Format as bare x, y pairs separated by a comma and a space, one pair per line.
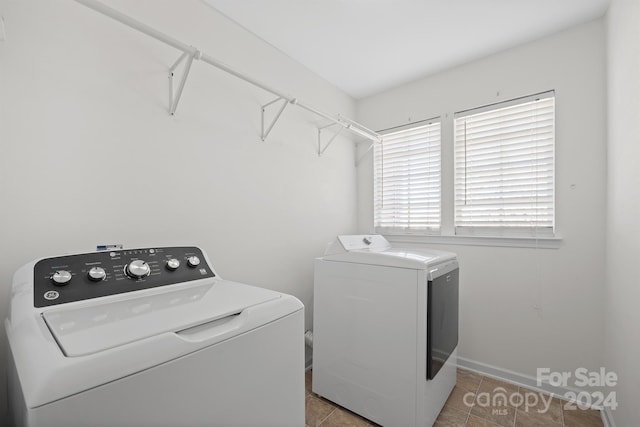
385, 330
151, 337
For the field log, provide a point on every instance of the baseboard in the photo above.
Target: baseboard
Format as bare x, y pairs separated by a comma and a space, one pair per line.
607, 418
510, 376
528, 382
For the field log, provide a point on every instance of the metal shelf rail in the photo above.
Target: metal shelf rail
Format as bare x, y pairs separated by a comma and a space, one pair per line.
189, 53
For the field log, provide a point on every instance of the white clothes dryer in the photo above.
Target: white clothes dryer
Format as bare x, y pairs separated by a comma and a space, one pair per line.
385, 329
151, 337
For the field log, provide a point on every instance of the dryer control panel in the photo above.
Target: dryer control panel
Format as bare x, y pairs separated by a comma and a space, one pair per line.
80, 277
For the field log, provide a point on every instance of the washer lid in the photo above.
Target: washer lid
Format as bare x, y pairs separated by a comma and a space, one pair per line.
420, 259
100, 325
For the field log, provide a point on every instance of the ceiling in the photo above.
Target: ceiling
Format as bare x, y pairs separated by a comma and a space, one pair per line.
366, 46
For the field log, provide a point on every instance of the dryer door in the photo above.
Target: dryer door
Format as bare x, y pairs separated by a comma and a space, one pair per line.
442, 320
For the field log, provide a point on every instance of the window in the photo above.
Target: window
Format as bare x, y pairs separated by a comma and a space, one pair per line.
407, 179
504, 168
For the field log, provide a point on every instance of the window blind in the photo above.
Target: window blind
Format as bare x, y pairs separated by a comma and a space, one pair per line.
504, 168
407, 179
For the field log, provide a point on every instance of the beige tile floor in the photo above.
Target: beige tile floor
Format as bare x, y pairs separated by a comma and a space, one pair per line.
476, 401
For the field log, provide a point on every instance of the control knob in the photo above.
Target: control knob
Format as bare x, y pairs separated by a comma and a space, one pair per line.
173, 264
61, 277
97, 274
193, 261
138, 269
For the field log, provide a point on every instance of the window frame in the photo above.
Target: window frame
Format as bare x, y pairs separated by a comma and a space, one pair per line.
506, 230
446, 234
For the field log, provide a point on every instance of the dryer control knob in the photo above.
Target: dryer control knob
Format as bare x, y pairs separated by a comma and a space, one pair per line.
193, 261
138, 269
96, 274
173, 264
61, 277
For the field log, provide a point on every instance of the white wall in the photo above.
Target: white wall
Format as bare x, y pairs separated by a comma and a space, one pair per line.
501, 286
623, 225
88, 153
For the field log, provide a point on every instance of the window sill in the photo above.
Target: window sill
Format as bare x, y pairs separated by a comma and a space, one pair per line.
508, 242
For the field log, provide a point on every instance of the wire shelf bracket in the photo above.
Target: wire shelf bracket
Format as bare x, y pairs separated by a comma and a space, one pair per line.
175, 98
321, 149
367, 151
189, 53
284, 104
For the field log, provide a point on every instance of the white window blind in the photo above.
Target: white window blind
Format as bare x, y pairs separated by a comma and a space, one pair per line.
407, 179
504, 168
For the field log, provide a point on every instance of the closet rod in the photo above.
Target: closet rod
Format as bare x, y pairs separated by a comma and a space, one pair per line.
196, 54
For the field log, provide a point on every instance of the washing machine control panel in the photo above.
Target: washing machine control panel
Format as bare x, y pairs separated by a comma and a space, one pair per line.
80, 277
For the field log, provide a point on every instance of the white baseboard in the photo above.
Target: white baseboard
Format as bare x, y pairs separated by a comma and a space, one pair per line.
511, 376
607, 418
531, 383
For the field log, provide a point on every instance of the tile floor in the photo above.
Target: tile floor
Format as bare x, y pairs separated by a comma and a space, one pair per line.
476, 401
